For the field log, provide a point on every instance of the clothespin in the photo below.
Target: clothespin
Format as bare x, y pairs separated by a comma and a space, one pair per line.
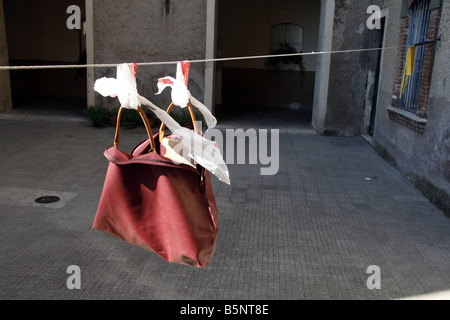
180, 92
181, 95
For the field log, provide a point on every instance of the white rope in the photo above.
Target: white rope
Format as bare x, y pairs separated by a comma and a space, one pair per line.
79, 66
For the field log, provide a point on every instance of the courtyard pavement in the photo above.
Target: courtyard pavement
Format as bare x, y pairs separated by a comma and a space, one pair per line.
313, 231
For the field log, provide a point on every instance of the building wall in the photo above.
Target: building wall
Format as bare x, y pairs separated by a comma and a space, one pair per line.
350, 73
150, 31
5, 87
422, 155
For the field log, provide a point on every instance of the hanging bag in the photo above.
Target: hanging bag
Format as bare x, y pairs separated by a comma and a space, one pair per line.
155, 204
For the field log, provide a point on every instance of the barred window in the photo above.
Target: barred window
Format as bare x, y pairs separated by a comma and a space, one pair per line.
414, 61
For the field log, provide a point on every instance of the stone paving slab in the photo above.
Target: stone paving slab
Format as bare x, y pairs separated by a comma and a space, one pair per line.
310, 232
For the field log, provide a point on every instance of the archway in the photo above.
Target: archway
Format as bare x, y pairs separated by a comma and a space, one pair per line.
275, 90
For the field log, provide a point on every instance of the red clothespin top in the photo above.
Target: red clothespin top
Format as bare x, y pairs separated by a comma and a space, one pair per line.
133, 69
185, 66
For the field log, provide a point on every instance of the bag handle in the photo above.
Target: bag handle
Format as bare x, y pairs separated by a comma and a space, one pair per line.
163, 125
147, 127
202, 185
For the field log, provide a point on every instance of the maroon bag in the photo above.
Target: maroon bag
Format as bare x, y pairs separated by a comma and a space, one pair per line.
159, 206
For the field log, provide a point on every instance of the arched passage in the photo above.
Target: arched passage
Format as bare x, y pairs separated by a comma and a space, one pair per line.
263, 88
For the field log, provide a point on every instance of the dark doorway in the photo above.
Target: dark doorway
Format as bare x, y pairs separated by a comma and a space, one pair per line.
266, 89
379, 40
37, 34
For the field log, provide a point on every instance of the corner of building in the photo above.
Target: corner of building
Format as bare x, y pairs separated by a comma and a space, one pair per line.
5, 83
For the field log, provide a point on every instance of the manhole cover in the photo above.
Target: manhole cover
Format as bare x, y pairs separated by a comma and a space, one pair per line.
48, 199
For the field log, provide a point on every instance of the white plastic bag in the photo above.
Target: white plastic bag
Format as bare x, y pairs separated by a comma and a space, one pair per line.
124, 86
203, 151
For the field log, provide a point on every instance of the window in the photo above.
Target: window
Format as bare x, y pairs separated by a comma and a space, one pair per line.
414, 60
286, 36
418, 37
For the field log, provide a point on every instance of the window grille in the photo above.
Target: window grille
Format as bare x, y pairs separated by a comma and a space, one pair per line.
417, 40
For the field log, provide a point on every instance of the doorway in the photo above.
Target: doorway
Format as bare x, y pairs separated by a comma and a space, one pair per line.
267, 90
37, 34
373, 83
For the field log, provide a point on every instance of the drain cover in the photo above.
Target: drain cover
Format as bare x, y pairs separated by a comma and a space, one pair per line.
48, 199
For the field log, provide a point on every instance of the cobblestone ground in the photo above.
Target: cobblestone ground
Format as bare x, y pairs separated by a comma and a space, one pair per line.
310, 232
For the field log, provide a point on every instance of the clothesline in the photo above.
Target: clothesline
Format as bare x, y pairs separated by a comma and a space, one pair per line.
79, 66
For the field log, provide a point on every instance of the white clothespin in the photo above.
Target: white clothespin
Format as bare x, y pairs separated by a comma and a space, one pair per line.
181, 95
124, 86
